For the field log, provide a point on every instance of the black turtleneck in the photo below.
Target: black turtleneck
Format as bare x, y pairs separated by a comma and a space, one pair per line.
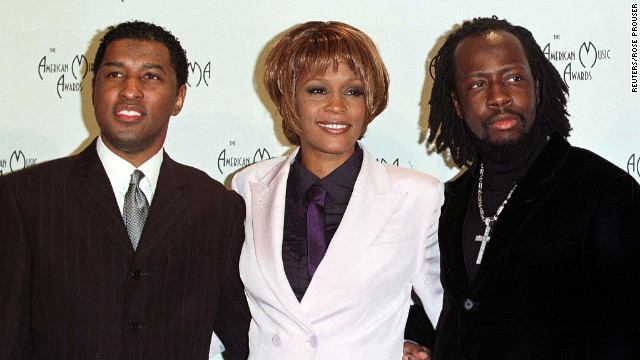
499, 178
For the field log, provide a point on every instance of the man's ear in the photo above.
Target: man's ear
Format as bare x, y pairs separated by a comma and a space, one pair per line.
182, 93
456, 105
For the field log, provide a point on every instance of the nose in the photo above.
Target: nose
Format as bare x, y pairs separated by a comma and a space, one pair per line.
498, 95
336, 104
131, 88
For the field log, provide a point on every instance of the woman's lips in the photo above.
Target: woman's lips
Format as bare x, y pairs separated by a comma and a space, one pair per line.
333, 127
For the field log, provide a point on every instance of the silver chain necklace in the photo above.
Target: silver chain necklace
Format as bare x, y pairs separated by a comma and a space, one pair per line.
488, 221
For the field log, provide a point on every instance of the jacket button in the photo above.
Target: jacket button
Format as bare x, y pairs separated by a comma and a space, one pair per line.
313, 341
469, 304
275, 340
135, 326
136, 274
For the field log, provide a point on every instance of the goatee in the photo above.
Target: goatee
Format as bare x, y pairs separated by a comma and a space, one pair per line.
509, 151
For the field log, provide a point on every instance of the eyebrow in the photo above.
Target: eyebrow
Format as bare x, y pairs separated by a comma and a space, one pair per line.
145, 65
323, 78
505, 69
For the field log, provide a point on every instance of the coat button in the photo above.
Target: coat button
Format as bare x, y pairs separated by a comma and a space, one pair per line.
275, 340
469, 304
313, 341
136, 274
135, 326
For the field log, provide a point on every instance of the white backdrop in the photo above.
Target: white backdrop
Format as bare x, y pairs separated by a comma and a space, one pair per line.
228, 121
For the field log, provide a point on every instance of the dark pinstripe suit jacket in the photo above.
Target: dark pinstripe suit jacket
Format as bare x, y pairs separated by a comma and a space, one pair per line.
72, 287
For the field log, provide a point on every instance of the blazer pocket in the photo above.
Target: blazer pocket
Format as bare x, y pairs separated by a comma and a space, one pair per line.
393, 235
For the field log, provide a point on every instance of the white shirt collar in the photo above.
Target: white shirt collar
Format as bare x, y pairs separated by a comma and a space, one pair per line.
119, 172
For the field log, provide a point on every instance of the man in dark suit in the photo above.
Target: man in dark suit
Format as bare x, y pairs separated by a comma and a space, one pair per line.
119, 252
539, 240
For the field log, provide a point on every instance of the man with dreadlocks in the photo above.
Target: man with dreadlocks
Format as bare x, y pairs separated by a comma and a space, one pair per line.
539, 240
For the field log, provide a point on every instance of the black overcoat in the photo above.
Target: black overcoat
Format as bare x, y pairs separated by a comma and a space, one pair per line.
560, 276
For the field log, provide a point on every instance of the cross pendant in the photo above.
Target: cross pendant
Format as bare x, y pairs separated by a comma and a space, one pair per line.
485, 239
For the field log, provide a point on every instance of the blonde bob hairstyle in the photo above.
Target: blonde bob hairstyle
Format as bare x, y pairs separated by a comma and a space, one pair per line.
308, 50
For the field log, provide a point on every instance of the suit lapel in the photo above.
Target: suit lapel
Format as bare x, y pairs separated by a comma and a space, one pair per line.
168, 205
96, 197
527, 197
457, 194
372, 203
267, 214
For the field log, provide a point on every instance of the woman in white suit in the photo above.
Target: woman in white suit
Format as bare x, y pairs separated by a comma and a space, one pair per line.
335, 241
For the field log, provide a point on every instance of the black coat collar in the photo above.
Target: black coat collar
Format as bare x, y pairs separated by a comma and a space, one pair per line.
525, 199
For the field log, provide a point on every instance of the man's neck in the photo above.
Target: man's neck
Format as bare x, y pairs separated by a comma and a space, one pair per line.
501, 174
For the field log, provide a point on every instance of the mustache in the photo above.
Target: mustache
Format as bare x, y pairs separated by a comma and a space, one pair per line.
490, 118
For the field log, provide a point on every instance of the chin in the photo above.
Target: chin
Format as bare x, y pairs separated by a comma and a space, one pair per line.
506, 137
338, 147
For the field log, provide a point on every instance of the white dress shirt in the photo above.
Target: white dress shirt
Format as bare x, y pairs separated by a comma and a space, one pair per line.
119, 172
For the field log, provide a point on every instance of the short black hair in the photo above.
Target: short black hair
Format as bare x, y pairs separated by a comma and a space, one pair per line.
140, 30
447, 131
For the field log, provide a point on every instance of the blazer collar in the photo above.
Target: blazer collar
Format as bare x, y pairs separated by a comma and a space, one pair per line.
372, 203
95, 194
168, 206
267, 220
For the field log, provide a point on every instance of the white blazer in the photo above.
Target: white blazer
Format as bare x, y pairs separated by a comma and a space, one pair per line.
357, 303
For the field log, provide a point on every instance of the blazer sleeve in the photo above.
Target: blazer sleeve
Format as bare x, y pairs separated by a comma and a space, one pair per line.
233, 318
424, 314
15, 264
614, 271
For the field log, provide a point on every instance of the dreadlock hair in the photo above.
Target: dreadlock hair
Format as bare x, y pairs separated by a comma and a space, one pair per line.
140, 30
449, 131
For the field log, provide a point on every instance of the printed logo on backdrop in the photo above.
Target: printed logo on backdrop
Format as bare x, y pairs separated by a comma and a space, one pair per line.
633, 166
14, 162
199, 74
64, 73
233, 157
579, 61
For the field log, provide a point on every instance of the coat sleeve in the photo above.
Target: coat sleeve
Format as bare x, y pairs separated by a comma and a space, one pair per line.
233, 318
15, 260
614, 271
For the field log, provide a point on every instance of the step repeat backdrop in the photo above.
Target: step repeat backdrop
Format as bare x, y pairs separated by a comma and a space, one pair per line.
228, 121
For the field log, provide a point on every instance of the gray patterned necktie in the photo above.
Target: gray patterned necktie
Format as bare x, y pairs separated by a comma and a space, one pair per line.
136, 208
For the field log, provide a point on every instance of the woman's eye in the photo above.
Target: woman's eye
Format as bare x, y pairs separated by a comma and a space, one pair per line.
316, 90
355, 92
